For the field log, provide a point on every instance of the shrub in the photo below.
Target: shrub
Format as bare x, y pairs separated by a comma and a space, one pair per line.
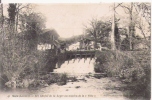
129, 66
60, 79
63, 79
117, 63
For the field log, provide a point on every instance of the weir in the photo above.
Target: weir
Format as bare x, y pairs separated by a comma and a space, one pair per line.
77, 66
68, 55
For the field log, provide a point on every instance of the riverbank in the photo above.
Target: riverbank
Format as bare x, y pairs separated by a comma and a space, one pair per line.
78, 78
132, 68
84, 87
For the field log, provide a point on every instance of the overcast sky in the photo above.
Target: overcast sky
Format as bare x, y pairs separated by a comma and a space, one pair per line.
69, 19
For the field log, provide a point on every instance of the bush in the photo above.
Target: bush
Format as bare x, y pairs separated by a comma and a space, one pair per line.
60, 79
63, 79
129, 67
117, 63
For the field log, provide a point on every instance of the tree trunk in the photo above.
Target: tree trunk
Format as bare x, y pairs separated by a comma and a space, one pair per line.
1, 34
2, 16
95, 41
113, 31
16, 21
131, 29
12, 14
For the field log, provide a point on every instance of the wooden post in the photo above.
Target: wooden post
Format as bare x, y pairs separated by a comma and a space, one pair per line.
74, 58
90, 60
79, 59
68, 60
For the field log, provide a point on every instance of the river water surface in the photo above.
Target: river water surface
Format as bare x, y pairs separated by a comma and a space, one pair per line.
104, 88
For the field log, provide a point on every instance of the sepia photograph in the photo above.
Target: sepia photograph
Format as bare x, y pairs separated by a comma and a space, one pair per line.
75, 50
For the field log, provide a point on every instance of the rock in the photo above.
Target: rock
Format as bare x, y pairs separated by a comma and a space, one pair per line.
20, 85
11, 84
80, 78
77, 87
8, 84
70, 80
61, 83
25, 83
99, 75
46, 85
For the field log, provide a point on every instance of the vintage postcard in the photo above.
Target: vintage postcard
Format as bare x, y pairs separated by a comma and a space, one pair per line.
75, 50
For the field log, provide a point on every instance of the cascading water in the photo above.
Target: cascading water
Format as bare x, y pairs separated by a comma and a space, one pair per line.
77, 66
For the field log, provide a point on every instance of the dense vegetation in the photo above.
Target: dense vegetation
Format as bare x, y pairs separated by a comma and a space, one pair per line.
132, 67
20, 61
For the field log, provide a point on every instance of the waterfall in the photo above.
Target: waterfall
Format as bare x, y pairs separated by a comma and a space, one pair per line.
77, 66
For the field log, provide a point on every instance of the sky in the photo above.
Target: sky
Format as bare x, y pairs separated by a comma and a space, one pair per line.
70, 19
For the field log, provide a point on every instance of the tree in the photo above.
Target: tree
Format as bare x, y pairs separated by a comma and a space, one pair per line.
129, 10
145, 10
34, 22
117, 37
20, 9
1, 16
113, 47
137, 13
143, 17
12, 14
99, 30
32, 25
1, 23
15, 59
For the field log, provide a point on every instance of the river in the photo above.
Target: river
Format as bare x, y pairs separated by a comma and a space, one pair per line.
104, 88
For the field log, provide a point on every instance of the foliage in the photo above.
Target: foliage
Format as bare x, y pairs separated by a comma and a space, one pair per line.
133, 67
125, 44
18, 58
63, 79
31, 26
33, 22
12, 12
60, 79
99, 30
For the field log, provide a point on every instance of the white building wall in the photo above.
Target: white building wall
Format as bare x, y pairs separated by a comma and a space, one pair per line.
74, 46
43, 47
